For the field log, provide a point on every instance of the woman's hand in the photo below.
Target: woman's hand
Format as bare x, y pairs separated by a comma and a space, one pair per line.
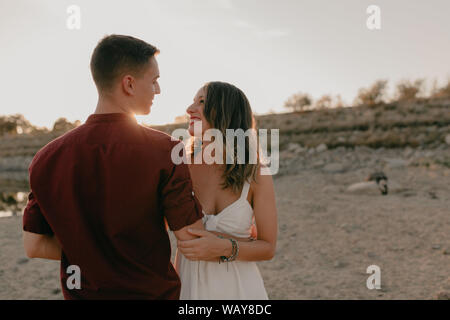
208, 247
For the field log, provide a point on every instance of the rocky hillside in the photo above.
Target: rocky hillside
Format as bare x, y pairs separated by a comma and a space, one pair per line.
421, 124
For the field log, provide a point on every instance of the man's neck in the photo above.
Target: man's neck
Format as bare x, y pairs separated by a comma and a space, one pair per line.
107, 105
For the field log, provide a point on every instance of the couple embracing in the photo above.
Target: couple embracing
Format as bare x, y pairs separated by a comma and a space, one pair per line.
104, 194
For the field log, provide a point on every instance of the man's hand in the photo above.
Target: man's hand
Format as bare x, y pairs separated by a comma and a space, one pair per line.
227, 236
183, 233
254, 232
208, 247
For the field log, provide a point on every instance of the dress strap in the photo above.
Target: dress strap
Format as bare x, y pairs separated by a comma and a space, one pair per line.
245, 189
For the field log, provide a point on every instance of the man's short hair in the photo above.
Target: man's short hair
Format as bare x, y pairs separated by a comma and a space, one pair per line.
117, 55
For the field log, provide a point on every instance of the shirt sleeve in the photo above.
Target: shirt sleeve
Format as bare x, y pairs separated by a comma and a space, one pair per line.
181, 207
33, 220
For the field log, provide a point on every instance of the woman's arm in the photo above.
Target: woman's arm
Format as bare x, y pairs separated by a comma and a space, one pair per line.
264, 206
209, 247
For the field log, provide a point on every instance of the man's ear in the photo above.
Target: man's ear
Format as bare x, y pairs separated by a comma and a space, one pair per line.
128, 85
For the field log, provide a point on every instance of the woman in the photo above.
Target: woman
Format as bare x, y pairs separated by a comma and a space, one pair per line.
233, 196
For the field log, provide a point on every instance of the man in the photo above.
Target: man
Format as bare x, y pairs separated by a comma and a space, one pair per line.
100, 194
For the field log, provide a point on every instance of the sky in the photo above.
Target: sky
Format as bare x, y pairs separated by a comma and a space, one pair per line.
269, 49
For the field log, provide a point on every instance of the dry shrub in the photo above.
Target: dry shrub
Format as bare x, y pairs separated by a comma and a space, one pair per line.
407, 90
443, 92
373, 95
298, 102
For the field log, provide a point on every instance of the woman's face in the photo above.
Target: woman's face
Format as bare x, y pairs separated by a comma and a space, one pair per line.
195, 111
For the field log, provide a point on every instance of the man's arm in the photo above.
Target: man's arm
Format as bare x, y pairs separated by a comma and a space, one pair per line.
183, 233
38, 237
41, 246
182, 210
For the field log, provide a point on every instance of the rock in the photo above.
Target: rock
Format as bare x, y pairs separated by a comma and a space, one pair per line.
408, 152
13, 175
443, 295
436, 246
432, 195
334, 167
19, 163
421, 138
356, 250
366, 187
395, 163
418, 154
429, 154
363, 149
56, 291
447, 139
444, 292
22, 260
321, 147
340, 149
285, 155
295, 148
338, 264
318, 163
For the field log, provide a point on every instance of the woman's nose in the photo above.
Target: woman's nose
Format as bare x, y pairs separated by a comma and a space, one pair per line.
189, 109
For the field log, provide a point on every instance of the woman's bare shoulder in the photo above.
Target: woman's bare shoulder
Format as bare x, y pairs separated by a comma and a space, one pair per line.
263, 180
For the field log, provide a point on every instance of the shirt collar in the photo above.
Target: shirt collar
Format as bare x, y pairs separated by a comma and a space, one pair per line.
111, 117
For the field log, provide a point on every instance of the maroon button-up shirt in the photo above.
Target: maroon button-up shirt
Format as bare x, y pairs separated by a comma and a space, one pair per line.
104, 189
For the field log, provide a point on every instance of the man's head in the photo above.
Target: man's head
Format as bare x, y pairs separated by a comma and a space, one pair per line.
125, 70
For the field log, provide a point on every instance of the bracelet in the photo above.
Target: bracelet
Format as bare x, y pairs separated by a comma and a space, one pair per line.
234, 251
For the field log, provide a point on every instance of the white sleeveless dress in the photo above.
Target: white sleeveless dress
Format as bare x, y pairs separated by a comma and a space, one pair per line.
208, 280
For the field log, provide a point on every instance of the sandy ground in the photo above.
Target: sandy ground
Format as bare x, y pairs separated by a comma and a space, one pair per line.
327, 238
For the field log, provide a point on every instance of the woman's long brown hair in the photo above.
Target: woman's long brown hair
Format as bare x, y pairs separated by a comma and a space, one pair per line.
227, 107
